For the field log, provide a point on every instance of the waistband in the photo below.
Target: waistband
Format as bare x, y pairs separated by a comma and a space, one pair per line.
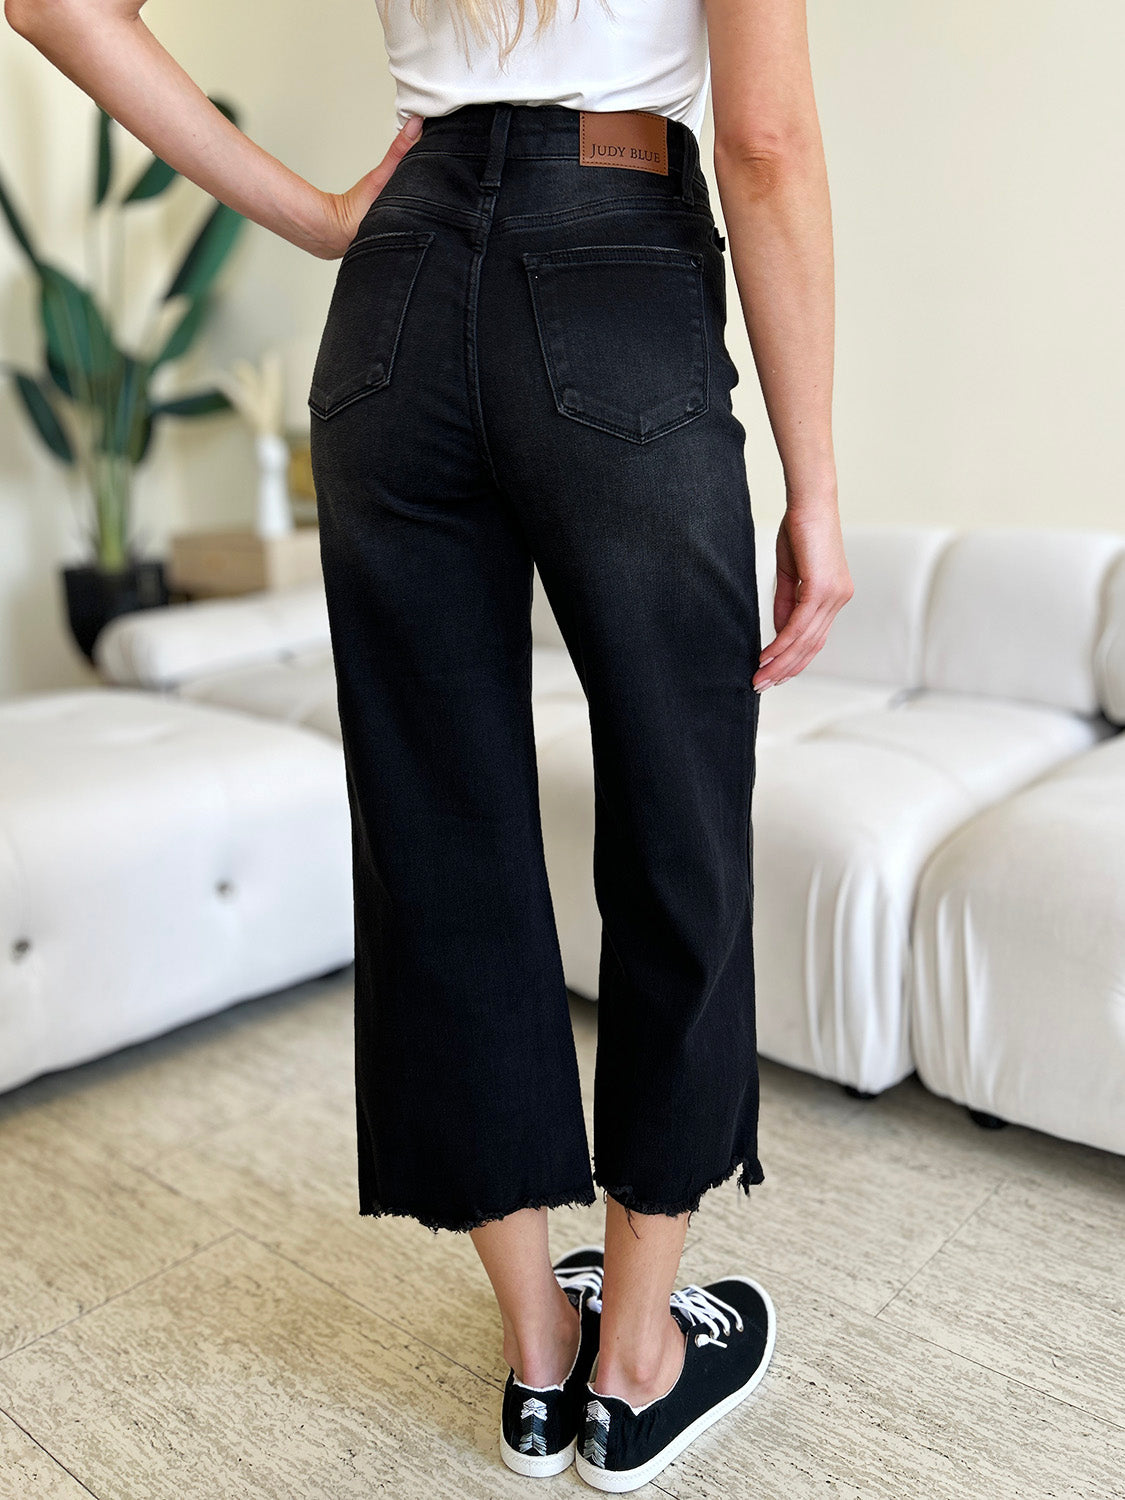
502, 130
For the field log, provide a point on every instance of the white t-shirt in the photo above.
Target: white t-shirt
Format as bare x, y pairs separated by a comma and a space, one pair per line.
649, 54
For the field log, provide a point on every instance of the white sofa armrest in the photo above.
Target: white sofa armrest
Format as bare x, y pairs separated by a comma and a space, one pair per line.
161, 648
1109, 654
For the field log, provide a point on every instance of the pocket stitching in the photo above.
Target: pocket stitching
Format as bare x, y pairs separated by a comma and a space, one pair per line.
396, 239
579, 255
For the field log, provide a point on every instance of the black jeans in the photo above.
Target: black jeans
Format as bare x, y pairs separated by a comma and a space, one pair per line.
524, 360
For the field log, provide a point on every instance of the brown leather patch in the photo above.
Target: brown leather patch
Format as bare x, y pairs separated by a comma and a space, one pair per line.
633, 138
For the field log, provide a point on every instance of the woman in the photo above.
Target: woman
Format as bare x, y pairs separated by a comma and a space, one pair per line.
524, 362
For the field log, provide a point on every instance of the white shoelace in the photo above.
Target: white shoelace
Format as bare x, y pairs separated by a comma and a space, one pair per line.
702, 1306
699, 1305
583, 1279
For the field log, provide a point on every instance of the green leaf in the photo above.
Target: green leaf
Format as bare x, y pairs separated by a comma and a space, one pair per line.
60, 376
201, 404
142, 436
76, 333
15, 223
104, 149
43, 416
183, 334
152, 181
126, 406
207, 253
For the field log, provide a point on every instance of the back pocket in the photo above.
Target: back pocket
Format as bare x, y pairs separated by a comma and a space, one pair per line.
622, 331
365, 317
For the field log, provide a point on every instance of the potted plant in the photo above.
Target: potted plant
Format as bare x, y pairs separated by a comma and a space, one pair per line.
94, 405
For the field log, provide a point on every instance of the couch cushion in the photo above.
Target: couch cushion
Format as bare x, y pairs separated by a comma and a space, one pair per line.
809, 702
158, 648
544, 627
1018, 984
566, 781
556, 716
301, 689
988, 746
878, 635
552, 673
845, 819
1109, 655
840, 830
1015, 613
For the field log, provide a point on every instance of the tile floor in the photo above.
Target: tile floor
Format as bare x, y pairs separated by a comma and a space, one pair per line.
191, 1308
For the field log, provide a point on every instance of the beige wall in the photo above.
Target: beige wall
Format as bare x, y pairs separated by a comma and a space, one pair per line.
973, 154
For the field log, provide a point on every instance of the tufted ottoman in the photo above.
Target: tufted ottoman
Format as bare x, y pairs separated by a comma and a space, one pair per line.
159, 860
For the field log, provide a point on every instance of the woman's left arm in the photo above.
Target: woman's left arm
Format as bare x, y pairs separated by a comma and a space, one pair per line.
106, 49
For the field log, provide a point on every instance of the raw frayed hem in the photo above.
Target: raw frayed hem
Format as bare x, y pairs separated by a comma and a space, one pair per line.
433, 1223
750, 1173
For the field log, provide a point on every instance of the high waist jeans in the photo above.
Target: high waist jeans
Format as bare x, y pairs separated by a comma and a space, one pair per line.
524, 361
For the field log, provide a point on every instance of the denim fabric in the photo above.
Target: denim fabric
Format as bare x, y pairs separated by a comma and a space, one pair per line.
524, 360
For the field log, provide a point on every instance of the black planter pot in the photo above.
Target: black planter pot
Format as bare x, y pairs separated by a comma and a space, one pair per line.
95, 596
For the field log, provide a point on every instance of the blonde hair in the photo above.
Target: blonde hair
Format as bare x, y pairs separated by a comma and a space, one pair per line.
492, 18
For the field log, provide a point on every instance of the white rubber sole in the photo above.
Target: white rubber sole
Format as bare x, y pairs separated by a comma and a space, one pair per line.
617, 1481
537, 1465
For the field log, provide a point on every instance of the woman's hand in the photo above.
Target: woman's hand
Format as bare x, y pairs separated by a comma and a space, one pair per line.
773, 186
813, 585
344, 212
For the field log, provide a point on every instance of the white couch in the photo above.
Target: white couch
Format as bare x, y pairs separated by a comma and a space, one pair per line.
159, 860
938, 884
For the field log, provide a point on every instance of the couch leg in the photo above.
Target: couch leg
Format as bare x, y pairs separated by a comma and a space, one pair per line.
855, 1093
985, 1120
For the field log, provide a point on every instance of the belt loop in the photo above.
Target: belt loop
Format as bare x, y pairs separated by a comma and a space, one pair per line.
497, 145
690, 159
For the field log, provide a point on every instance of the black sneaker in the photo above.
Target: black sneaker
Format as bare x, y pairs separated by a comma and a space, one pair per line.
539, 1424
730, 1326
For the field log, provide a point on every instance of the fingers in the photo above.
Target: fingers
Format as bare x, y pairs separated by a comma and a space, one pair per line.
406, 137
812, 586
802, 636
808, 650
789, 649
371, 184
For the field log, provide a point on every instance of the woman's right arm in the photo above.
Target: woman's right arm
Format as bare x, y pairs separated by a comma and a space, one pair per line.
773, 187
106, 49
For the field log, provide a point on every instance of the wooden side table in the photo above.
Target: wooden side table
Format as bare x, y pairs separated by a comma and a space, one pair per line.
239, 561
